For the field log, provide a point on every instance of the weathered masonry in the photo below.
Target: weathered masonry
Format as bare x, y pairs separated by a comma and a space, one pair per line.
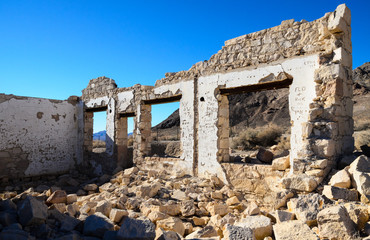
312, 59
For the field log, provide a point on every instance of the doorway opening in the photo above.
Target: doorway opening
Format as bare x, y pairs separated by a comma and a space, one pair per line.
99, 131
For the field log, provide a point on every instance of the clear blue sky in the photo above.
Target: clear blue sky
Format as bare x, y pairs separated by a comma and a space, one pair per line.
53, 48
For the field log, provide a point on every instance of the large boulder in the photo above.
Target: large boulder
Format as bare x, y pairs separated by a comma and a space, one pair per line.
302, 182
32, 211
232, 232
136, 229
172, 224
360, 174
15, 234
306, 207
335, 223
59, 196
340, 193
96, 225
341, 179
292, 230
260, 225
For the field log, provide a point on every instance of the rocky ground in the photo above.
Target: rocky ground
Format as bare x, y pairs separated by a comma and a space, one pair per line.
148, 204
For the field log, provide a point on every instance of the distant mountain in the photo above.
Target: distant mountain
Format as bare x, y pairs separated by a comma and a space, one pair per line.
100, 135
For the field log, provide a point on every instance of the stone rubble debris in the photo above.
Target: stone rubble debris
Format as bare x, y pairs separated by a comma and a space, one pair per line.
131, 204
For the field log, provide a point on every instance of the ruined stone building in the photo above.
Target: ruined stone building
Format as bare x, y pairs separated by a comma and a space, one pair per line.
312, 59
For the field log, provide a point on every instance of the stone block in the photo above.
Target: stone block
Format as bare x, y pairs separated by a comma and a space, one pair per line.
306, 207
282, 216
59, 196
336, 193
300, 182
335, 223
117, 214
341, 179
172, 224
71, 198
260, 225
237, 233
96, 225
292, 230
136, 229
264, 155
281, 163
207, 232
32, 212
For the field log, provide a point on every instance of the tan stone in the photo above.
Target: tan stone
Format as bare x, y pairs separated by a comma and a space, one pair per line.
341, 179
232, 201
59, 196
283, 216
148, 190
252, 209
61, 207
340, 193
206, 232
116, 214
104, 207
335, 223
216, 195
71, 198
154, 216
187, 208
172, 224
281, 163
260, 225
91, 187
300, 182
358, 214
292, 230
202, 221
217, 208
72, 209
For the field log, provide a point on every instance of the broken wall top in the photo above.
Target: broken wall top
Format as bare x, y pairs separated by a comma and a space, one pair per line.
284, 41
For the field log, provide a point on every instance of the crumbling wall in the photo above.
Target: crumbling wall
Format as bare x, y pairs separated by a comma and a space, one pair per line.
38, 136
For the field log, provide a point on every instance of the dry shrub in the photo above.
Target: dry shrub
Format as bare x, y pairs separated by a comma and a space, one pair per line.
98, 144
260, 136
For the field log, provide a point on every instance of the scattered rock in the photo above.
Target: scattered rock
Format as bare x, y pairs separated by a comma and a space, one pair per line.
306, 207
260, 225
281, 163
335, 223
172, 224
237, 233
292, 230
32, 212
96, 225
341, 179
206, 232
265, 155
301, 182
136, 229
59, 196
283, 216
340, 193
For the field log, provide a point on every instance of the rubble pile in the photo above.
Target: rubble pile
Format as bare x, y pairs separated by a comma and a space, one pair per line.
149, 204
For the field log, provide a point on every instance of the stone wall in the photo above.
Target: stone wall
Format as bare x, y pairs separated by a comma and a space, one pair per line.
39, 136
312, 59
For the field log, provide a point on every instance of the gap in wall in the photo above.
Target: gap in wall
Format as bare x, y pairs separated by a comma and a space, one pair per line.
99, 132
166, 130
259, 120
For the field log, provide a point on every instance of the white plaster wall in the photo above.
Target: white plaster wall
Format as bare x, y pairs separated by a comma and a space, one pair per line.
51, 144
110, 127
302, 92
97, 102
124, 100
186, 113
